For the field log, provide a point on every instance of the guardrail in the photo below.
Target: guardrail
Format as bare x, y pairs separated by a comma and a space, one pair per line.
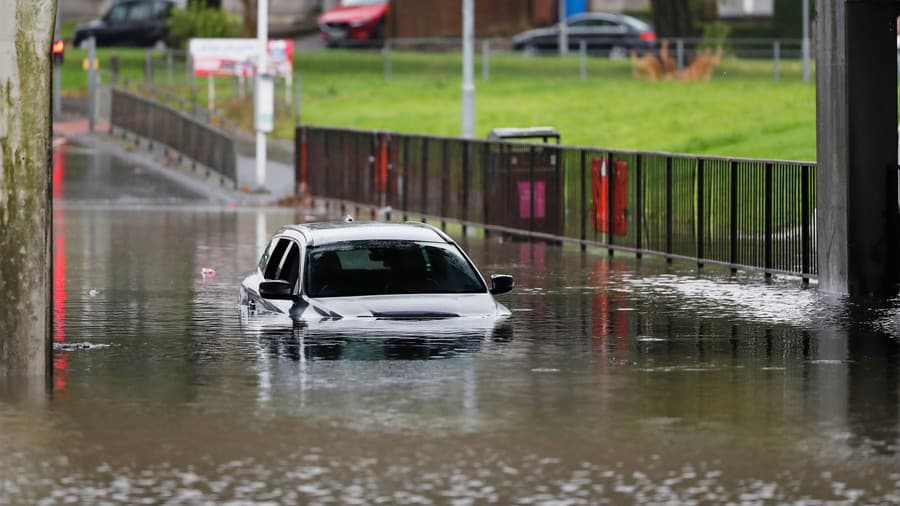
740, 213
184, 133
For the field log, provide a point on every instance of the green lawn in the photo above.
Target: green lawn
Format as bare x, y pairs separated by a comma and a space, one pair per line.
740, 112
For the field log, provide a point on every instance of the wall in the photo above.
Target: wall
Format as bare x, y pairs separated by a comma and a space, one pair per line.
443, 18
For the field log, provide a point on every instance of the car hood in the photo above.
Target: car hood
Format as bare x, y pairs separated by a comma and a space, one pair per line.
350, 14
408, 306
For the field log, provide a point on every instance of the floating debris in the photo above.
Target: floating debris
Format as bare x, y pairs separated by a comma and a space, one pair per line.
93, 292
78, 346
206, 272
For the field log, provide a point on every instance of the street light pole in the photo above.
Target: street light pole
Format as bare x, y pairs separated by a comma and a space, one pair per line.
806, 42
563, 29
262, 60
468, 85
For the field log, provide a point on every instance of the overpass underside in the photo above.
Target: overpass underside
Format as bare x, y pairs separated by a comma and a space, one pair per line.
857, 208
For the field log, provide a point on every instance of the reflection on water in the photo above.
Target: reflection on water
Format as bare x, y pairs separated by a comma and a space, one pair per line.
614, 381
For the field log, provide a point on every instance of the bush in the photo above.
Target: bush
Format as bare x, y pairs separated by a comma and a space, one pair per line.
198, 20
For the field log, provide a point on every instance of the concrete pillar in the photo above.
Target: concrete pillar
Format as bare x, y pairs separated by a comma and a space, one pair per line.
26, 31
856, 127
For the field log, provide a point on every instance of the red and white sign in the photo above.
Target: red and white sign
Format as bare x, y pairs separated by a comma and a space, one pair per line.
237, 57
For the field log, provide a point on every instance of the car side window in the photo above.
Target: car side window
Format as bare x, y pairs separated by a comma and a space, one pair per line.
117, 14
141, 11
276, 257
290, 267
161, 9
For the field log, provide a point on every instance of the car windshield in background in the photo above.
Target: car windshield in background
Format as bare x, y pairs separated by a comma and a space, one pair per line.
637, 24
388, 268
351, 3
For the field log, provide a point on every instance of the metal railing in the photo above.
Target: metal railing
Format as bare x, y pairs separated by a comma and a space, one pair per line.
184, 133
739, 213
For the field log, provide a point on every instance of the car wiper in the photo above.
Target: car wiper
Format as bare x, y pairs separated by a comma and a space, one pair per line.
413, 314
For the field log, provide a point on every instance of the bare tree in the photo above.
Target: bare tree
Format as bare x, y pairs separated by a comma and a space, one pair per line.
249, 26
706, 10
673, 18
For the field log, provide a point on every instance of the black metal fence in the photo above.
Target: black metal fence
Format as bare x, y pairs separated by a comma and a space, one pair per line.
740, 213
186, 134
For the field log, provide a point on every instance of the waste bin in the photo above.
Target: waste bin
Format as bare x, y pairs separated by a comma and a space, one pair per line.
524, 180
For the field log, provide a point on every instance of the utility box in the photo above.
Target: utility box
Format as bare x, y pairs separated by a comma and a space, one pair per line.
524, 180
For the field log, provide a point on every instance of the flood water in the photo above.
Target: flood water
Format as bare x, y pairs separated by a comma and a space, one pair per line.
615, 380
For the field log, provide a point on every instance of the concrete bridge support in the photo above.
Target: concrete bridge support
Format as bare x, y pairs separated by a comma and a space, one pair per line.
26, 31
857, 210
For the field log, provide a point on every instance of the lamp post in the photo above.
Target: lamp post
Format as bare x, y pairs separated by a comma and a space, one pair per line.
806, 42
262, 102
468, 86
563, 29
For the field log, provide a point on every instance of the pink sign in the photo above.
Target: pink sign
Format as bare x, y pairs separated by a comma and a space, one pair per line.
525, 200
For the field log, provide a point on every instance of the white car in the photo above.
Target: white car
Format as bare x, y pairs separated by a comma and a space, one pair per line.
370, 270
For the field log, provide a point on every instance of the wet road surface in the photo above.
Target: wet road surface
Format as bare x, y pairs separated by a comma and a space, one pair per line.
614, 382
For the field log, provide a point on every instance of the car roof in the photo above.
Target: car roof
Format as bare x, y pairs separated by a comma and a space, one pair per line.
320, 233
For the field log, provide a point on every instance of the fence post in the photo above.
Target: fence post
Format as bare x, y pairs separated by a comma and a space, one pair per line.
298, 90
639, 206
610, 194
92, 85
583, 200
485, 200
701, 209
404, 197
804, 223
732, 256
423, 210
169, 66
531, 153
776, 54
387, 60
582, 58
767, 232
669, 219
148, 67
680, 56
465, 186
445, 169
486, 60
210, 92
114, 69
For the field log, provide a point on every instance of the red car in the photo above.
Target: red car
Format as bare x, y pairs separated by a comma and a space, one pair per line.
354, 22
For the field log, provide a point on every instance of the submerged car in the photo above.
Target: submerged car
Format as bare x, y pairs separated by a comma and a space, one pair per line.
344, 270
614, 35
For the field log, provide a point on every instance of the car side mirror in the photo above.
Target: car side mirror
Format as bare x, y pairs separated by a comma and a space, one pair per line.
501, 283
276, 290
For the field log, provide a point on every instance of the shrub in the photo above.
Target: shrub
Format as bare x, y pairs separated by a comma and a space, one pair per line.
198, 20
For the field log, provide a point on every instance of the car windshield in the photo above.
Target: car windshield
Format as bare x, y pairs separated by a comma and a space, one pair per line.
351, 3
388, 268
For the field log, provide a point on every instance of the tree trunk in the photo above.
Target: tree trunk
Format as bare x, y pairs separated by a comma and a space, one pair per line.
26, 31
706, 10
672, 18
249, 25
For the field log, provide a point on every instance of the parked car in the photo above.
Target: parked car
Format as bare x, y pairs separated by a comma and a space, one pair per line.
129, 23
337, 271
354, 22
614, 35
